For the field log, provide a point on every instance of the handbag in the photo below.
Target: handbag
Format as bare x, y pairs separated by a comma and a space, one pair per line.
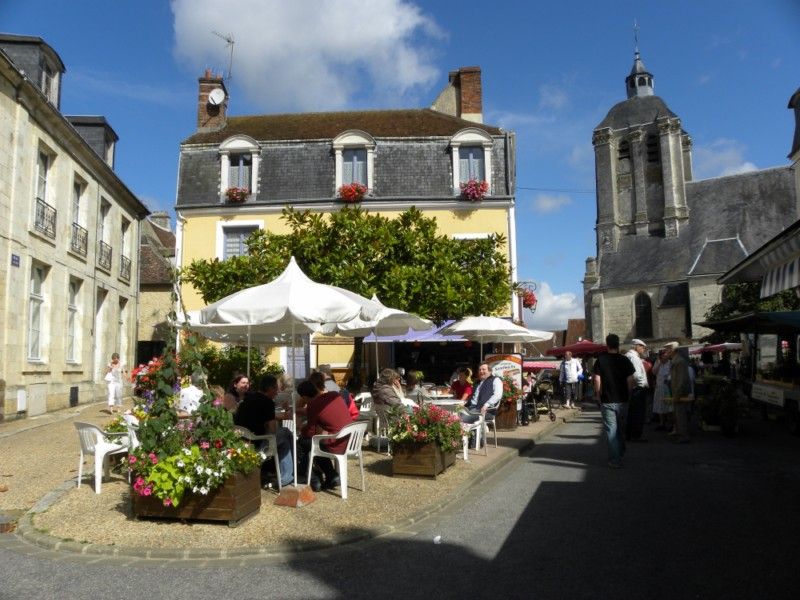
109, 377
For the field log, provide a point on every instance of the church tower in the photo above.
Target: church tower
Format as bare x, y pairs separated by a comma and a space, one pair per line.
642, 161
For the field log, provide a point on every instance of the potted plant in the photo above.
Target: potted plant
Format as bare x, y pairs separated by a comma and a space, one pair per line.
425, 441
529, 299
195, 468
474, 190
352, 192
506, 417
237, 194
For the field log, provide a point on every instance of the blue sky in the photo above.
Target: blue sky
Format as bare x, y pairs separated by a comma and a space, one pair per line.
551, 71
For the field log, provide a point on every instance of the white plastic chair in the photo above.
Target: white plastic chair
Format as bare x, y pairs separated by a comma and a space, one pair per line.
132, 424
93, 441
270, 449
479, 429
356, 432
491, 422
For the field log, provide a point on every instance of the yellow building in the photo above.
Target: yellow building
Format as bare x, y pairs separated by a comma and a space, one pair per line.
236, 175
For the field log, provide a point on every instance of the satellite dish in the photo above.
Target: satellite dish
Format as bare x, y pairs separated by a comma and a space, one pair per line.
216, 97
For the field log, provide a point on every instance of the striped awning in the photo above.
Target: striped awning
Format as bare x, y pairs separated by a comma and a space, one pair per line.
783, 277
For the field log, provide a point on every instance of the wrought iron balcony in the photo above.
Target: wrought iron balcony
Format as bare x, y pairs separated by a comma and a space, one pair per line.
124, 267
80, 239
45, 221
104, 255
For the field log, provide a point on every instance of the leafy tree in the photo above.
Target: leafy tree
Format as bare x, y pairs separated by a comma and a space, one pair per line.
739, 298
403, 261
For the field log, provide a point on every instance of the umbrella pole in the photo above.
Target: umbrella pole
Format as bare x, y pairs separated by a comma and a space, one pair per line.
377, 368
294, 410
248, 350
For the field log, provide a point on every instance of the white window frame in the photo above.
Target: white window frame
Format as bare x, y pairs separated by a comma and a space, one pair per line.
471, 136
223, 225
102, 220
238, 144
72, 349
124, 232
41, 178
353, 139
37, 299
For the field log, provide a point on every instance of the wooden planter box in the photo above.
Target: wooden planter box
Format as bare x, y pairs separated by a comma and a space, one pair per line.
238, 498
420, 460
506, 418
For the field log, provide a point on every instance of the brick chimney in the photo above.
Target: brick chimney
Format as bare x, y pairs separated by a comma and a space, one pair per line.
211, 116
463, 96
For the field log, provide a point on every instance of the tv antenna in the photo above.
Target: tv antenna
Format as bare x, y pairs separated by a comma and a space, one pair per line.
229, 42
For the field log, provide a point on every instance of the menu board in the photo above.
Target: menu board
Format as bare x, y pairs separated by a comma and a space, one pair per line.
506, 364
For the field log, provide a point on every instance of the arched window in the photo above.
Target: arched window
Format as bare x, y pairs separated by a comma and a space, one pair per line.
643, 325
239, 157
472, 157
354, 152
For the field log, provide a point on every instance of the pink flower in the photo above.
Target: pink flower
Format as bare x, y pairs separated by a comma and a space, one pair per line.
217, 402
167, 502
153, 458
131, 459
147, 491
204, 445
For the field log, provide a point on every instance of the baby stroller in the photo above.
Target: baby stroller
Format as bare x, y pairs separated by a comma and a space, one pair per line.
540, 398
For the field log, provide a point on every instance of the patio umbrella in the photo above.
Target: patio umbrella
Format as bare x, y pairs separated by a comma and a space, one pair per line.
388, 321
581, 348
291, 303
494, 329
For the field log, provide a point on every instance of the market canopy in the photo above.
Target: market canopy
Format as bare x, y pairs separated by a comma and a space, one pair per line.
581, 348
758, 322
724, 347
432, 335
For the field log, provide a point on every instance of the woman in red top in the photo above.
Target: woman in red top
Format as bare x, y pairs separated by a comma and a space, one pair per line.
461, 388
326, 412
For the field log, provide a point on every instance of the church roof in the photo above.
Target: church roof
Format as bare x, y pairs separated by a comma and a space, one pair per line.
638, 110
751, 206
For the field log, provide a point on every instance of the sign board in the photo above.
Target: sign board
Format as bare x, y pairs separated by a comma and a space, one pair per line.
506, 364
767, 394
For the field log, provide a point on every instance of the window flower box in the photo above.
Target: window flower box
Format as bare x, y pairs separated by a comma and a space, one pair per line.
474, 190
236, 194
352, 192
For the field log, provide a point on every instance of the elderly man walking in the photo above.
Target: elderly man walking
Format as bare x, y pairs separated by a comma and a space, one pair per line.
613, 381
570, 372
637, 406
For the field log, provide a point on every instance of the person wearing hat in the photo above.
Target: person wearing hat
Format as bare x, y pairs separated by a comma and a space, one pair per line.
681, 387
637, 405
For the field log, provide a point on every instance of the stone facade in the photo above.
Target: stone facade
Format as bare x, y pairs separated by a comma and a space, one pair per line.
68, 282
662, 238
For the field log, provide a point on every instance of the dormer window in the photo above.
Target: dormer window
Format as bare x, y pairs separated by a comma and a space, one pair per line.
354, 153
239, 156
472, 157
49, 82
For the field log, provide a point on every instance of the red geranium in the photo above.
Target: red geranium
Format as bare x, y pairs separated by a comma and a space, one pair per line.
352, 192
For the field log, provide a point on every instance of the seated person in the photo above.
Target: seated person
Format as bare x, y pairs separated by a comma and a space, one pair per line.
190, 396
461, 388
330, 382
386, 393
319, 379
257, 413
326, 413
414, 391
485, 397
234, 395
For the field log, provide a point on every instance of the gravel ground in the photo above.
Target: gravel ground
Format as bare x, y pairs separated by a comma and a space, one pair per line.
36, 461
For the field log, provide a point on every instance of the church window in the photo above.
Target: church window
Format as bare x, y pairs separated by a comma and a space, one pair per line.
652, 149
643, 325
642, 81
624, 150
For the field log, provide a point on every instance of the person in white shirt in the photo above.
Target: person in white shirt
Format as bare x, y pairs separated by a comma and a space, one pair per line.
114, 371
570, 371
486, 396
190, 397
637, 405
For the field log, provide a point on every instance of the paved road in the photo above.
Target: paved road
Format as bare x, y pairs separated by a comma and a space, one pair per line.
717, 518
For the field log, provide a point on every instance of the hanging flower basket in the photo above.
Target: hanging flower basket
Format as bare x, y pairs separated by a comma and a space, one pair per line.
236, 194
529, 299
352, 192
474, 190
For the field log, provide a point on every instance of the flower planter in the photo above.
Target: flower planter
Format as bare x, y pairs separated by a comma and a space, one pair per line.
506, 418
238, 498
420, 460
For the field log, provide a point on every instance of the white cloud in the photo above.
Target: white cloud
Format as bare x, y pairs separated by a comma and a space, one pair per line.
311, 55
550, 203
552, 97
553, 310
719, 158
703, 79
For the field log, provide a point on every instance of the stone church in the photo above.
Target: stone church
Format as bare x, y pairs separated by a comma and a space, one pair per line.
664, 238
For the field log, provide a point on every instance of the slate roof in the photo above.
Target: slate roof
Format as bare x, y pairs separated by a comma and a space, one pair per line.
311, 126
752, 206
716, 256
154, 269
638, 110
166, 239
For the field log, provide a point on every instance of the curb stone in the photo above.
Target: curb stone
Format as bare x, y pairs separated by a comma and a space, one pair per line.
26, 529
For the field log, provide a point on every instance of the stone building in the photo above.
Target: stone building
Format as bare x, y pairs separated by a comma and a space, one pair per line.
68, 234
405, 158
157, 261
663, 238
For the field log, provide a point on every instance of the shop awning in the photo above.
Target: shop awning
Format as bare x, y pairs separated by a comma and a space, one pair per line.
783, 277
758, 322
431, 335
